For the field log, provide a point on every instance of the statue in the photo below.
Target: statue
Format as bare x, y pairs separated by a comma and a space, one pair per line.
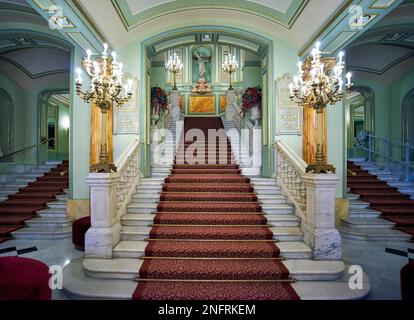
202, 55
202, 60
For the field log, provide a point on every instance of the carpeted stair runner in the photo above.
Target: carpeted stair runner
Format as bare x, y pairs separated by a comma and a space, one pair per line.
210, 239
23, 205
393, 205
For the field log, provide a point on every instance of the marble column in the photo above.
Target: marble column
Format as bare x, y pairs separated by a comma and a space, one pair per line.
175, 102
104, 233
231, 97
319, 228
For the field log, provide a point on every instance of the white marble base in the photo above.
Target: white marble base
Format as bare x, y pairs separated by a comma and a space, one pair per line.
100, 241
326, 243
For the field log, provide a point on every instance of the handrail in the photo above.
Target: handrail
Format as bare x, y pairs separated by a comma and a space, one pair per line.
129, 169
386, 154
290, 171
27, 148
391, 141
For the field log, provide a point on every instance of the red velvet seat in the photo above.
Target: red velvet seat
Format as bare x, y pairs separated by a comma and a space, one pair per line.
79, 229
24, 279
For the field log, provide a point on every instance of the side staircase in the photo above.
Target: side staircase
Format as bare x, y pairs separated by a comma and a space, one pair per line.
34, 202
379, 211
150, 210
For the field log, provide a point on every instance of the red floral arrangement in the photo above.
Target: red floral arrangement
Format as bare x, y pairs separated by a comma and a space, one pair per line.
251, 97
159, 100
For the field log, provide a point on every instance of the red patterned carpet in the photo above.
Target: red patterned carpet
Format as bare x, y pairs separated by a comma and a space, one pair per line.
394, 205
23, 205
210, 240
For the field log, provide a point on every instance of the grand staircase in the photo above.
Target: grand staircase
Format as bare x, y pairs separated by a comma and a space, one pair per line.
34, 203
205, 231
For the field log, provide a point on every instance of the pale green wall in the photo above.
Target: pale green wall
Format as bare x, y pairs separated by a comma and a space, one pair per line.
158, 77
17, 94
80, 119
251, 76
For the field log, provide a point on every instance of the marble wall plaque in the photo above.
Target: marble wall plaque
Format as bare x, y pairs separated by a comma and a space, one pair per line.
288, 113
125, 119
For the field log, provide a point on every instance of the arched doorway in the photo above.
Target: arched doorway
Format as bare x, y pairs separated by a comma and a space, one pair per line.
407, 121
6, 126
360, 118
236, 40
54, 125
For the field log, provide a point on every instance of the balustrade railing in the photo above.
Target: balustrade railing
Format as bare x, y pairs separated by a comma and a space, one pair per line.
393, 156
129, 169
290, 170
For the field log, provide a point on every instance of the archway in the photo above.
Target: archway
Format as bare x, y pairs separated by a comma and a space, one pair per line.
360, 118
238, 40
6, 126
54, 123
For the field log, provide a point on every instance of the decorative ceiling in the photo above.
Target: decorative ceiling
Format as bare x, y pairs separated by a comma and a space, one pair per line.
136, 12
386, 45
26, 42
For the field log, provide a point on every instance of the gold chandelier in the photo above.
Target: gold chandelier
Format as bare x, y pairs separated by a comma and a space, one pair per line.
320, 82
174, 65
230, 66
106, 87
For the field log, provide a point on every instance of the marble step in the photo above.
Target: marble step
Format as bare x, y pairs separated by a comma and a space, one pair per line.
12, 187
370, 234
139, 196
148, 190
136, 249
142, 207
58, 204
49, 222
267, 190
358, 204
363, 213
300, 269
374, 223
277, 209
263, 182
280, 233
58, 213
352, 196
42, 233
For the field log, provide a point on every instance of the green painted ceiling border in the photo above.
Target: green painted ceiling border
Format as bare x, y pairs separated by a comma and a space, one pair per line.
286, 20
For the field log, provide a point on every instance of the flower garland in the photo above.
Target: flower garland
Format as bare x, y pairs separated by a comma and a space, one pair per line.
251, 97
159, 100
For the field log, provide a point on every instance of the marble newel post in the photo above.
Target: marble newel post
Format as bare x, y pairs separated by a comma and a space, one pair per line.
104, 233
175, 102
231, 97
319, 228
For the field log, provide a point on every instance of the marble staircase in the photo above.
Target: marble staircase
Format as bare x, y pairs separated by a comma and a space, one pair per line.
116, 278
50, 223
393, 179
364, 223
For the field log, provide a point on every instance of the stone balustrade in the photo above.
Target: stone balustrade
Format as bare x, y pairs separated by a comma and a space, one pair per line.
110, 194
314, 198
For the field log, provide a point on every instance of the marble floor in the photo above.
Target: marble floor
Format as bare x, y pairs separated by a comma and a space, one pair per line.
383, 268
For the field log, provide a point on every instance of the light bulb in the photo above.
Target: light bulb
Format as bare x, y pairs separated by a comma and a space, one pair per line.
105, 52
89, 53
348, 77
341, 56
